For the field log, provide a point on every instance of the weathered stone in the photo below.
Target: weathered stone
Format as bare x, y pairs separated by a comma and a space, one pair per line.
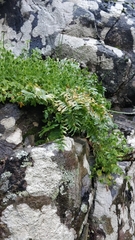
42, 183
41, 224
109, 63
46, 180
46, 193
99, 34
111, 24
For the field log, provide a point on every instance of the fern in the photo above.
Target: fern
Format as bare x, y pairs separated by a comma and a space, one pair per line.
73, 100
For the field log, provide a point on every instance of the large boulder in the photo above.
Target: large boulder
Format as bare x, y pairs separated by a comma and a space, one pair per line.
46, 193
99, 34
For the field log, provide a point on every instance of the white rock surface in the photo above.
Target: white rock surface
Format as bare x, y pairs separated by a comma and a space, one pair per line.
15, 137
40, 177
8, 122
26, 223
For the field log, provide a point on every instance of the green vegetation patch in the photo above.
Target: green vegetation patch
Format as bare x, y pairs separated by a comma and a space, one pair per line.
73, 100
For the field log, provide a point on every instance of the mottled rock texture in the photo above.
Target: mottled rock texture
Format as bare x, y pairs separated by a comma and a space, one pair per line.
46, 193
99, 34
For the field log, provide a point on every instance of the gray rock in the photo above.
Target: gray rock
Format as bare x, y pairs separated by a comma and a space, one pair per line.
43, 188
98, 33
53, 197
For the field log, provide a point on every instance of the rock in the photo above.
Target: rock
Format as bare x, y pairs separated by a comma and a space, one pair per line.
110, 219
98, 34
18, 126
41, 223
125, 123
44, 193
48, 191
106, 61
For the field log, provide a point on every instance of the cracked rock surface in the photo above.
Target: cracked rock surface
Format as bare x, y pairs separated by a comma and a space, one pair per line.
99, 34
49, 194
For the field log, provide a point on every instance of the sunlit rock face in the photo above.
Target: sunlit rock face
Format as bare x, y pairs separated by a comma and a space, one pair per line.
98, 34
